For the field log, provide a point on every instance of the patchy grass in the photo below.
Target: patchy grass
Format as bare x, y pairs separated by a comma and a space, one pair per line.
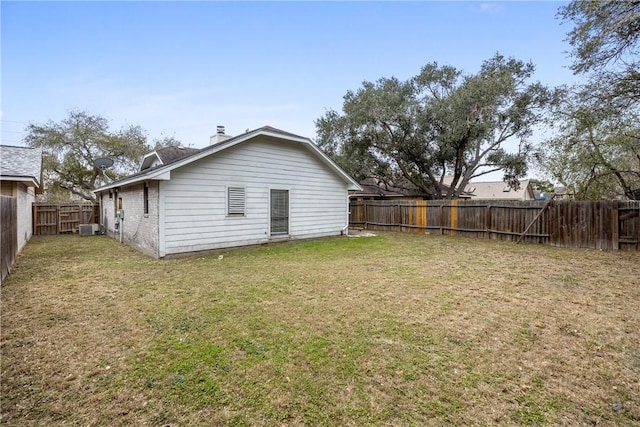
390, 330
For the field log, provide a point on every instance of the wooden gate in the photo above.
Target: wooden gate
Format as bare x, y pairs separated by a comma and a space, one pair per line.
64, 218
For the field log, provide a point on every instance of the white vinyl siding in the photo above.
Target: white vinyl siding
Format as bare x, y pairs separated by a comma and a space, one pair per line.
195, 200
26, 196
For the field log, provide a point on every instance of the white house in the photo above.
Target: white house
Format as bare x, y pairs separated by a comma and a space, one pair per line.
21, 178
265, 185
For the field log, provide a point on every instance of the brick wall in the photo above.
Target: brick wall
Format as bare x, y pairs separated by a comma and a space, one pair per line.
139, 230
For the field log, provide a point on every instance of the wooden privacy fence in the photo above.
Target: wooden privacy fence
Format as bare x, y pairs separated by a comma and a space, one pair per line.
63, 218
9, 243
609, 225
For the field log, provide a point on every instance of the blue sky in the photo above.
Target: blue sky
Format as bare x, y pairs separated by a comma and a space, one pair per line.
181, 68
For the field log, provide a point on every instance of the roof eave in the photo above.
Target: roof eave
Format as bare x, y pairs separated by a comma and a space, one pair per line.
159, 174
30, 180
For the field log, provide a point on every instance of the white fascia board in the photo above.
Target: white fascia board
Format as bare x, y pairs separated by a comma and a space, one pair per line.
281, 136
29, 180
159, 175
164, 176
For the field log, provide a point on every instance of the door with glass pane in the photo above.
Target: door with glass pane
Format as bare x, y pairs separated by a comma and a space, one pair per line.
279, 212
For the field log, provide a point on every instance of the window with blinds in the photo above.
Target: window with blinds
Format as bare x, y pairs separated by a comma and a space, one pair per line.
279, 212
235, 200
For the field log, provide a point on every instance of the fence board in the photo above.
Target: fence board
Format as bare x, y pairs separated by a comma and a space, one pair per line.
629, 225
63, 218
9, 237
606, 225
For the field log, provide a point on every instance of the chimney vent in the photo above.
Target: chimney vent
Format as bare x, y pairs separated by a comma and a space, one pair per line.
219, 136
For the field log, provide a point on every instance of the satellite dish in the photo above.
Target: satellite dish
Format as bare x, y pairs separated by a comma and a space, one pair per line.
103, 162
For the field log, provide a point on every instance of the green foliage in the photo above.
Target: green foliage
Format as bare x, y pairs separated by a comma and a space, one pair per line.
72, 145
595, 150
165, 141
605, 31
544, 186
605, 47
440, 122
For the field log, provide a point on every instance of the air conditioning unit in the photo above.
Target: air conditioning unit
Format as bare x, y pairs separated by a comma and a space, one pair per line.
88, 229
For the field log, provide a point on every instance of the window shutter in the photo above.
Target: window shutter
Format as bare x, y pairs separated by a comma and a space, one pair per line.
235, 200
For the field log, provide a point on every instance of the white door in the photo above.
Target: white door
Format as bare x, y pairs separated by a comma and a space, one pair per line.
279, 212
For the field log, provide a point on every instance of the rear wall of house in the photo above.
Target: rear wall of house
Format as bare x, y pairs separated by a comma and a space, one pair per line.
194, 202
139, 229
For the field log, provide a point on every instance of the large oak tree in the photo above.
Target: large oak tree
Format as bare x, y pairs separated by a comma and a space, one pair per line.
605, 46
595, 149
441, 122
71, 145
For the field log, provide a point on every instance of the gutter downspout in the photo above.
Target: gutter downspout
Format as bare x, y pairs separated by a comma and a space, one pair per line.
345, 229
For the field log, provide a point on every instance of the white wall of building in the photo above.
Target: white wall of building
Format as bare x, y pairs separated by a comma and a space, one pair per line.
193, 203
25, 196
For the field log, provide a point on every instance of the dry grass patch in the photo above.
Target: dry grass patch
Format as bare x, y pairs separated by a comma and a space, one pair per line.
390, 330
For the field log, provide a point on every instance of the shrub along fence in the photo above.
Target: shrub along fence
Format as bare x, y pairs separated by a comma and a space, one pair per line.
63, 218
609, 225
9, 242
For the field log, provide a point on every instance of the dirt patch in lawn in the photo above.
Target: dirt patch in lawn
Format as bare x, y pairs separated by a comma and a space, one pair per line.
389, 330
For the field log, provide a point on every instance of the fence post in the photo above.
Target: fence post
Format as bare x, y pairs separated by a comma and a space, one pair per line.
366, 215
615, 224
411, 216
454, 217
487, 221
34, 222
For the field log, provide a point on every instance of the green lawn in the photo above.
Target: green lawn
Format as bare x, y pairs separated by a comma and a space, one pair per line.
396, 329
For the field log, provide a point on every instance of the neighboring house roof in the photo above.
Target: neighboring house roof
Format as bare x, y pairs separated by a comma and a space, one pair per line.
500, 190
21, 164
163, 171
166, 155
374, 187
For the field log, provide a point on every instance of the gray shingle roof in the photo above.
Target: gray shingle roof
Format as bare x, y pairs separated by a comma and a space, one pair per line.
21, 162
172, 154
